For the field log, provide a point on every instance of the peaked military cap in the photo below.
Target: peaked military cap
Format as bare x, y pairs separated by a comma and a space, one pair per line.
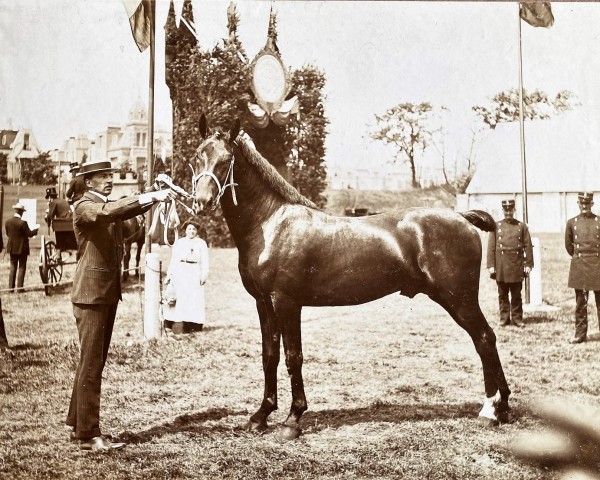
508, 204
585, 197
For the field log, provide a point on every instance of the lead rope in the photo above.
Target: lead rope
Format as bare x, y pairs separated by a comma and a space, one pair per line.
165, 213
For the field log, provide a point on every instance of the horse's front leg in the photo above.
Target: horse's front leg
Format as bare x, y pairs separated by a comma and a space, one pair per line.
126, 258
271, 336
288, 315
138, 256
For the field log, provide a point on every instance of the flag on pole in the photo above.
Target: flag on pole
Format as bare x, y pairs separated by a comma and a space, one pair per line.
139, 12
538, 14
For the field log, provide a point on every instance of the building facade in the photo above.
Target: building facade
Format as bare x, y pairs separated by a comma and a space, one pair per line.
19, 146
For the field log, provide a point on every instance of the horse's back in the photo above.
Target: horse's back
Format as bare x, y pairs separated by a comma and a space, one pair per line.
346, 260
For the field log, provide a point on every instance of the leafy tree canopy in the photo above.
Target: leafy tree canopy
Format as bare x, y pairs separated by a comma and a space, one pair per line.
504, 106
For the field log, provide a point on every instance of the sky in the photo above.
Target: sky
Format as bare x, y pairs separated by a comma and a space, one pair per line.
69, 67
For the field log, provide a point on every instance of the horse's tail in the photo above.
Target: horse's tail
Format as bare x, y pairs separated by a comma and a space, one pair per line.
480, 219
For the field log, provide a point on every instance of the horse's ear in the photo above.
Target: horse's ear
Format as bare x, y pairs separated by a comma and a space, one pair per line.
235, 130
203, 126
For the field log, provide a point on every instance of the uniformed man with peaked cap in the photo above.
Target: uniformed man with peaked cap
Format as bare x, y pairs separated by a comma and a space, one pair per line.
509, 261
582, 241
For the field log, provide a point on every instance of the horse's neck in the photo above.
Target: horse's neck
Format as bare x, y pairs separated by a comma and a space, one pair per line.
256, 200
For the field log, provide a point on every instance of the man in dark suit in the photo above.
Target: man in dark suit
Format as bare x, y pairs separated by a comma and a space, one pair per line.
18, 233
509, 261
96, 292
77, 186
582, 241
57, 207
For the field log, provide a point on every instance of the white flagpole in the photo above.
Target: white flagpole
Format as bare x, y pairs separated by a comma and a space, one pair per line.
150, 146
522, 130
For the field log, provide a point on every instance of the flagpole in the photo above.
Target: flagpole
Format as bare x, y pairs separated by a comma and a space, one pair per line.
522, 131
150, 146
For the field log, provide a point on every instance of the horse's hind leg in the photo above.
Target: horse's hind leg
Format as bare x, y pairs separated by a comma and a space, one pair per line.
271, 338
467, 313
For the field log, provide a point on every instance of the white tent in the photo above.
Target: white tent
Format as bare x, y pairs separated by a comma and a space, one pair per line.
562, 158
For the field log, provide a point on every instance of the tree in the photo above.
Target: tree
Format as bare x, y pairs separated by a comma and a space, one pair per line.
409, 127
537, 105
306, 162
38, 171
217, 83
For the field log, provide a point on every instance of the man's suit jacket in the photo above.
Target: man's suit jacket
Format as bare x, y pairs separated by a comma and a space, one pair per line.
76, 189
97, 227
58, 208
18, 234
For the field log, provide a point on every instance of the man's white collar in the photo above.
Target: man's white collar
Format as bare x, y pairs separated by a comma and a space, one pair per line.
104, 199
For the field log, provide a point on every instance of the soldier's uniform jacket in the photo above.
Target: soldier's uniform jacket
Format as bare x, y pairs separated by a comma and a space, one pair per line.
509, 250
582, 241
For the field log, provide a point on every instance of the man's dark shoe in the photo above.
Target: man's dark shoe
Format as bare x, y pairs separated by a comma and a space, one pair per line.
73, 436
576, 340
518, 323
504, 323
100, 444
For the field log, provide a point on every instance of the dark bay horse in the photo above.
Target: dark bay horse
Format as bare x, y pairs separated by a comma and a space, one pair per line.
291, 254
133, 232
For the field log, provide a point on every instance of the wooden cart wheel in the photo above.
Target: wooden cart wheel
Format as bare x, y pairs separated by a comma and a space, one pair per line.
51, 264
55, 263
43, 265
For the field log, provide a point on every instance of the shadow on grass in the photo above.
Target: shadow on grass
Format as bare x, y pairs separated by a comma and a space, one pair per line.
392, 413
193, 424
315, 422
539, 318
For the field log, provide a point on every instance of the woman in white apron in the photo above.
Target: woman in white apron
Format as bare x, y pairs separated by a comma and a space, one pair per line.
187, 274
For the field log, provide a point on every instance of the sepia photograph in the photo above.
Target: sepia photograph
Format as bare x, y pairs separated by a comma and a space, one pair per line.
275, 239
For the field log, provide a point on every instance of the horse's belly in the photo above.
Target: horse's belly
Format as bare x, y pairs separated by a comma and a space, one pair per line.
350, 286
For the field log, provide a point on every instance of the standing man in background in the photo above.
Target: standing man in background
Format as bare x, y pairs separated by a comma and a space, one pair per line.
18, 233
582, 241
509, 261
77, 186
57, 207
97, 225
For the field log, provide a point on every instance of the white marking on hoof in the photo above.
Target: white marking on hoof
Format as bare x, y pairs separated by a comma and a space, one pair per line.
489, 410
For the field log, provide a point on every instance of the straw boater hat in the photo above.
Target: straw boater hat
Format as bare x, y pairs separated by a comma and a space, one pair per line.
95, 167
18, 206
73, 166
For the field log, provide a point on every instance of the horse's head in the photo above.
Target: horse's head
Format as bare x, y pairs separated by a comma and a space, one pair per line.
214, 160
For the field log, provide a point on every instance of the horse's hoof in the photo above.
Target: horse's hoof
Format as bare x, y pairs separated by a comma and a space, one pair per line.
504, 416
255, 427
487, 422
285, 433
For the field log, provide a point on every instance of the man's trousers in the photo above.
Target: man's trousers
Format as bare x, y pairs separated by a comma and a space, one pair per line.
581, 320
95, 325
18, 263
513, 309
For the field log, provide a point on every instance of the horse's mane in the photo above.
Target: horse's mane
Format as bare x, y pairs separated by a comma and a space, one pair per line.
270, 175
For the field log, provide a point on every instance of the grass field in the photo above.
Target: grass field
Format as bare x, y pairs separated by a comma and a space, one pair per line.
394, 388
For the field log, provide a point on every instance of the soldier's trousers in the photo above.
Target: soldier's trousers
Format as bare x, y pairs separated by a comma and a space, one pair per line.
581, 322
512, 309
